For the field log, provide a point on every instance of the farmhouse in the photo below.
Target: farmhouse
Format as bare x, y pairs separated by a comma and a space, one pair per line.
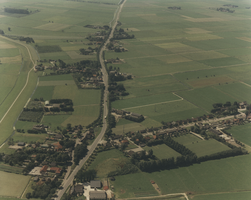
97, 195
21, 144
77, 189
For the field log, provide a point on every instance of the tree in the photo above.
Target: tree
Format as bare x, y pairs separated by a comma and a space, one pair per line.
28, 195
68, 126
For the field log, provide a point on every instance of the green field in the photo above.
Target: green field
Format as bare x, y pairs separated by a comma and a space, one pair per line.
201, 147
162, 151
27, 137
12, 185
133, 185
108, 161
225, 175
241, 133
86, 103
245, 195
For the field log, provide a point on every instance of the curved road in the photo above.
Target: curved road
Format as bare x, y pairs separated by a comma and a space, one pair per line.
67, 182
27, 79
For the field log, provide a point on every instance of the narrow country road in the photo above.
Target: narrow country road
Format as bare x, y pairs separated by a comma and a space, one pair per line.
69, 180
27, 79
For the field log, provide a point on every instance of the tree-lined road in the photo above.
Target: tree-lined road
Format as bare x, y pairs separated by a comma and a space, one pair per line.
68, 181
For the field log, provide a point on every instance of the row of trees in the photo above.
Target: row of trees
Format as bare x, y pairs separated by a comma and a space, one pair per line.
84, 176
80, 151
15, 10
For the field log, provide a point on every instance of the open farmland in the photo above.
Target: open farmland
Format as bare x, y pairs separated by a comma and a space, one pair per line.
17, 183
229, 196
178, 50
207, 177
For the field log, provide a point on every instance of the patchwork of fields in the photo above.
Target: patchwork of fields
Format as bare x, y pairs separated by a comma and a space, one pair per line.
196, 52
86, 103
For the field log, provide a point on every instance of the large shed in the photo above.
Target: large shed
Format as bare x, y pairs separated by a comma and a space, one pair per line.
95, 184
97, 195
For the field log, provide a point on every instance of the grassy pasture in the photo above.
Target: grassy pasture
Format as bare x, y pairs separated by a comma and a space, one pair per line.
241, 133
207, 177
133, 185
52, 26
55, 56
239, 91
9, 52
210, 81
162, 151
206, 97
27, 137
54, 120
55, 83
83, 115
201, 147
108, 161
133, 126
4, 45
43, 91
144, 101
245, 195
169, 111
15, 59
56, 77
204, 55
17, 183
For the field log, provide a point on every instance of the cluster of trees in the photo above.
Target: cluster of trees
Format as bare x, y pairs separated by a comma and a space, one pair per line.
225, 109
27, 39
175, 8
116, 90
80, 151
225, 10
135, 119
230, 5
17, 158
88, 51
106, 27
170, 163
121, 34
67, 102
44, 191
15, 10
116, 77
84, 176
36, 131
